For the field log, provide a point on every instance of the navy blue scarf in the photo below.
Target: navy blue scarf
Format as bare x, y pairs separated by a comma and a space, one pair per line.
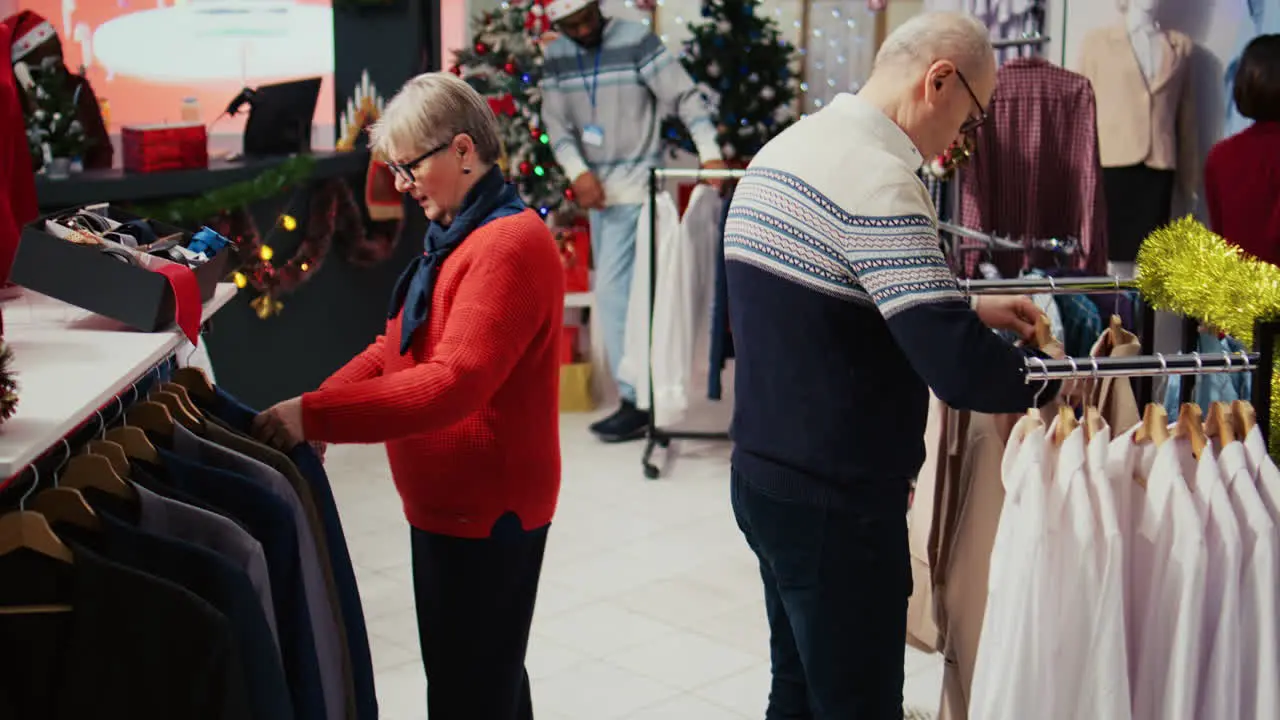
491, 198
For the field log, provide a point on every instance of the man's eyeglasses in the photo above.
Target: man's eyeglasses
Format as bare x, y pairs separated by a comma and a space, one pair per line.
405, 170
972, 123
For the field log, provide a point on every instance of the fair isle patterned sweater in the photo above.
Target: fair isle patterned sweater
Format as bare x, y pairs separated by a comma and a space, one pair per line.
638, 84
844, 313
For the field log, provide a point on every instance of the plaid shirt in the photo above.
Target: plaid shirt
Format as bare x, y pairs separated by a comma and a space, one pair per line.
1035, 172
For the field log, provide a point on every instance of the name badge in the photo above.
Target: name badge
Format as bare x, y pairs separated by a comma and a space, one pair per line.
593, 135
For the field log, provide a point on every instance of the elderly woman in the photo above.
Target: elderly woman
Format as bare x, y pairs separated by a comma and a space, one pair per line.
463, 389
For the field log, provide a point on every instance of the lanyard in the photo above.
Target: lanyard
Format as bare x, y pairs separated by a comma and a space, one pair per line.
594, 84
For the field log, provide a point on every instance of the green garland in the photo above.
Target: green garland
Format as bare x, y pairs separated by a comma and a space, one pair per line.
191, 211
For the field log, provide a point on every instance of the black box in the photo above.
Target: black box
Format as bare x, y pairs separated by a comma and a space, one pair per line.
84, 276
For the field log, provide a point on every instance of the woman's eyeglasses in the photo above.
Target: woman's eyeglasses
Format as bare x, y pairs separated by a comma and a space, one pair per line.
405, 170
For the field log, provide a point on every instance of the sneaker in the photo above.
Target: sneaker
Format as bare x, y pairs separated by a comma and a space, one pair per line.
627, 423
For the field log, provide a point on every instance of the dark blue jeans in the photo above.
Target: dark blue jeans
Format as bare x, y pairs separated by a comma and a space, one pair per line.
475, 606
836, 583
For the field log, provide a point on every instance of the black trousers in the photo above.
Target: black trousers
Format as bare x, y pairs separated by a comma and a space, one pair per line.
475, 605
836, 584
1139, 200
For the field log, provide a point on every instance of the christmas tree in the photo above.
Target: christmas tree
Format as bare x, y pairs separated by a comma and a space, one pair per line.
504, 63
741, 62
52, 128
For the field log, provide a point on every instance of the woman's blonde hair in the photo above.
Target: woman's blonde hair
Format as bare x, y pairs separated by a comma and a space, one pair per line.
430, 110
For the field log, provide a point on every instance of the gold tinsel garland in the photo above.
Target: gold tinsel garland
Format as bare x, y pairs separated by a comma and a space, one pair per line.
1186, 269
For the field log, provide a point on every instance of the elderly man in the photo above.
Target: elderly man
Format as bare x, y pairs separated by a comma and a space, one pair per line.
607, 84
844, 314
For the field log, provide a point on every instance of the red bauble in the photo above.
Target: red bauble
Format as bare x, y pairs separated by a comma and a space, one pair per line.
509, 68
526, 167
456, 70
568, 194
535, 133
481, 48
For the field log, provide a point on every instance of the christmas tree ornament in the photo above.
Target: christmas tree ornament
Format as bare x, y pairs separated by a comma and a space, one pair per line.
481, 48
526, 167
509, 68
8, 383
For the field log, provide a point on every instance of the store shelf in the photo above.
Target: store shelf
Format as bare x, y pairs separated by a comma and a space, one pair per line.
579, 300
69, 363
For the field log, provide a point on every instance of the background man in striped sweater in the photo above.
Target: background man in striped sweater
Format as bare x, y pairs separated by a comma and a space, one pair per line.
607, 84
844, 314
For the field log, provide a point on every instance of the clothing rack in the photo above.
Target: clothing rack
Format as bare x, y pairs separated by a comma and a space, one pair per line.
56, 455
1036, 41
655, 436
1264, 345
1067, 246
1041, 370
1101, 285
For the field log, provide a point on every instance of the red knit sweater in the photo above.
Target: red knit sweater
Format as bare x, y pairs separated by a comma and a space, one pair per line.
470, 415
1242, 190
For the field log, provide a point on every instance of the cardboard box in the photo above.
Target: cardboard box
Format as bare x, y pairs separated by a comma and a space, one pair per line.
157, 148
84, 276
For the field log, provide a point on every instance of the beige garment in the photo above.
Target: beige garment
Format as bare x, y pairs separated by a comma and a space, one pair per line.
922, 631
961, 583
1139, 123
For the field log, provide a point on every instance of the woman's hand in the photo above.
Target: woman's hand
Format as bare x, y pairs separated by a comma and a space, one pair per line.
280, 426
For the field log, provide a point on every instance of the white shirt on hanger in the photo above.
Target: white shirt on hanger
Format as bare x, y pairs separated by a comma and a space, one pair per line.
1006, 678
1129, 464
1265, 473
1260, 639
682, 306
1220, 656
1105, 693
1168, 575
1073, 584
633, 367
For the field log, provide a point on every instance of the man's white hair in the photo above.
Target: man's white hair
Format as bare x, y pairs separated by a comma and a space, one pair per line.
932, 36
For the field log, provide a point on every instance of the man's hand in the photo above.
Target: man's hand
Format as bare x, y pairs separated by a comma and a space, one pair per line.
281, 425
716, 183
1016, 313
588, 192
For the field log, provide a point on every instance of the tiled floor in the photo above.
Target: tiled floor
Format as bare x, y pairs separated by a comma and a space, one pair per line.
650, 606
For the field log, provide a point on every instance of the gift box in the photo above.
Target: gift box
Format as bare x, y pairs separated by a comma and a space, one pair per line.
137, 290
157, 148
575, 388
575, 254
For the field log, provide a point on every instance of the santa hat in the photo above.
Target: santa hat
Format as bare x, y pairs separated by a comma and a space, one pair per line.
29, 32
558, 10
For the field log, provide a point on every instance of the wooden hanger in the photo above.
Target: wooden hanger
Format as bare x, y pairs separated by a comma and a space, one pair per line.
114, 453
1066, 424
184, 397
176, 410
152, 417
1154, 427
30, 530
135, 444
1220, 424
64, 504
95, 471
1043, 336
1243, 417
196, 383
1191, 427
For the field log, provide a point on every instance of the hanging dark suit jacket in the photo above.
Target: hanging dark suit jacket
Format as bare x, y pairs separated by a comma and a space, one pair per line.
211, 578
135, 647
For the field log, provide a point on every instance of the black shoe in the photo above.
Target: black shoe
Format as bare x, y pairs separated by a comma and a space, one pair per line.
627, 423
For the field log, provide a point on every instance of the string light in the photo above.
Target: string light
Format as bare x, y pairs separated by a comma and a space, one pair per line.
266, 253
539, 171
289, 222
304, 267
240, 280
